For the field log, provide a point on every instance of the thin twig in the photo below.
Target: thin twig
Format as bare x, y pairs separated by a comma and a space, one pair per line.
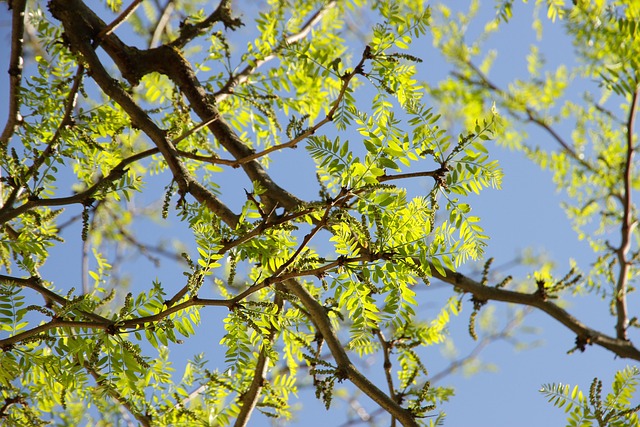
7, 213
35, 283
144, 420
162, 23
118, 21
69, 103
484, 342
346, 79
250, 398
222, 13
386, 352
530, 113
433, 174
243, 76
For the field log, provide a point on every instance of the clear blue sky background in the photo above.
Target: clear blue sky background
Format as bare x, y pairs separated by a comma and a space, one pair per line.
524, 214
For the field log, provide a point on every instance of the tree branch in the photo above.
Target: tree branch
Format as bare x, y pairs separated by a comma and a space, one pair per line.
7, 213
437, 174
15, 70
346, 78
250, 398
119, 20
35, 283
162, 23
243, 76
530, 113
69, 103
81, 24
124, 326
484, 342
321, 320
586, 335
114, 327
7, 343
222, 14
144, 420
628, 224
386, 352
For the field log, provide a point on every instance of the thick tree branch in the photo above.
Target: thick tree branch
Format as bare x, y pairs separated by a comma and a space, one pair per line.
627, 226
15, 81
77, 20
586, 335
15, 70
320, 319
176, 67
83, 25
35, 283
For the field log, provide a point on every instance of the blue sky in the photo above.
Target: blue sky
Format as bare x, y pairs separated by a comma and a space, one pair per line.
524, 214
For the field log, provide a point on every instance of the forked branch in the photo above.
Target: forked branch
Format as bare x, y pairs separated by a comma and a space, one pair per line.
321, 320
